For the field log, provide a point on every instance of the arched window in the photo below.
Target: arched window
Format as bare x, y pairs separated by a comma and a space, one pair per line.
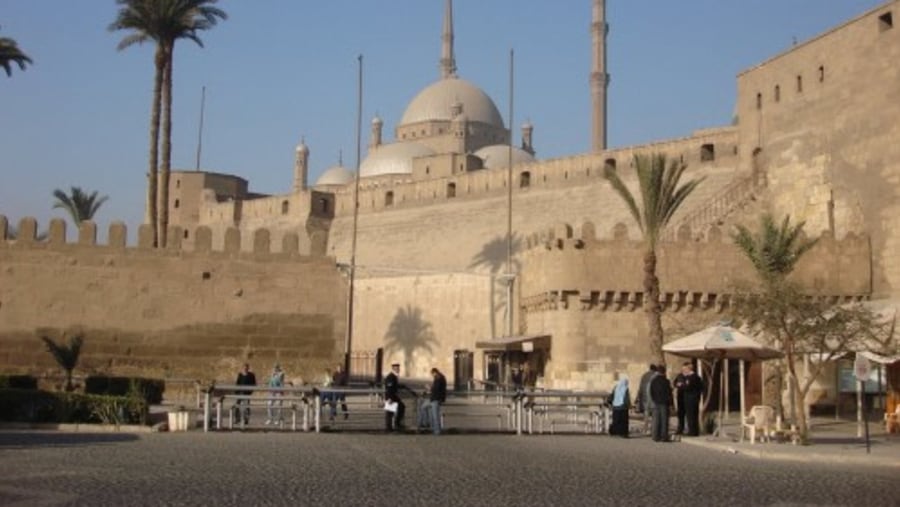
177, 203
389, 198
799, 84
525, 179
707, 152
777, 93
285, 207
451, 190
609, 164
759, 101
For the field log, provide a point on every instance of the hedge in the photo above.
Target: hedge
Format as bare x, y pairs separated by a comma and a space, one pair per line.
151, 390
18, 382
24, 405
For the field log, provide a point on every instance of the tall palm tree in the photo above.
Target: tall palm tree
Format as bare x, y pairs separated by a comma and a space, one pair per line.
66, 355
163, 22
78, 203
775, 250
11, 54
661, 196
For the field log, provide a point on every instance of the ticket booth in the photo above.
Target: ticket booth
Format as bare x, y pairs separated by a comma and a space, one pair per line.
529, 353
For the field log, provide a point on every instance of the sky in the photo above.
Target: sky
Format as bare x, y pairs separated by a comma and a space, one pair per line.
278, 71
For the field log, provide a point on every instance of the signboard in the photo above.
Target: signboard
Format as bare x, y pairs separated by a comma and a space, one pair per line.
848, 382
527, 346
862, 368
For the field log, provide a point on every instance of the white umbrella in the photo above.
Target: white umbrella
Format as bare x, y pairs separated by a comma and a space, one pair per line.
722, 342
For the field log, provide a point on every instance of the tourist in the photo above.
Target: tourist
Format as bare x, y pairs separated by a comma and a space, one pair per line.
692, 392
621, 403
245, 378
518, 380
642, 400
273, 410
678, 384
430, 411
661, 395
326, 395
339, 379
394, 406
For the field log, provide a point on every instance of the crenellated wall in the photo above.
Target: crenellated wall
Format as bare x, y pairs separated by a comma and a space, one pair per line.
169, 312
587, 293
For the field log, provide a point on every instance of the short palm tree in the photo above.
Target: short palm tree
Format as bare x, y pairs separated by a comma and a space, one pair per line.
661, 196
775, 250
66, 355
78, 203
11, 54
163, 22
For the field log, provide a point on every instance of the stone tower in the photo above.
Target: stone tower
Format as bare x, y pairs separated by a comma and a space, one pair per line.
448, 61
599, 77
301, 167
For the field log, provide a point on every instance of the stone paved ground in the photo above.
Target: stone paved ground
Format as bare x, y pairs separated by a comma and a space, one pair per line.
350, 469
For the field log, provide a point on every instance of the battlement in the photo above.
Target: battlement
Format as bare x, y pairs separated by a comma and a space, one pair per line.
559, 265
202, 243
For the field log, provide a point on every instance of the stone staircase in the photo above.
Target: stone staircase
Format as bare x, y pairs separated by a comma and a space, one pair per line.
738, 197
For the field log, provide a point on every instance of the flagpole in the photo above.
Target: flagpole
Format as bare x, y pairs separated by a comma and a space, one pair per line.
359, 101
509, 241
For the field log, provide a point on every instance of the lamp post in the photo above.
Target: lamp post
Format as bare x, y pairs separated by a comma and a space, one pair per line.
348, 346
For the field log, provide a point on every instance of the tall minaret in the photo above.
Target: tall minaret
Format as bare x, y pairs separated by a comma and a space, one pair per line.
448, 61
301, 166
599, 77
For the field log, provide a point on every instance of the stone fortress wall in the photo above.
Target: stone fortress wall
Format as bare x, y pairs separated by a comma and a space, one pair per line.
172, 313
588, 292
822, 119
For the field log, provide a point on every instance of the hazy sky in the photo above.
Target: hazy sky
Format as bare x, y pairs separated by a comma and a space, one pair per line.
279, 70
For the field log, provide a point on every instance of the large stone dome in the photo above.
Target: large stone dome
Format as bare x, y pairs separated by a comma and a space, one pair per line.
394, 158
436, 101
335, 175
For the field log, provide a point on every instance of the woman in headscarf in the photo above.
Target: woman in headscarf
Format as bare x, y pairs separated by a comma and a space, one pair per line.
621, 403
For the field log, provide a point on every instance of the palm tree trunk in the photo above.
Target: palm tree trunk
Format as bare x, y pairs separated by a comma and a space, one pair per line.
152, 176
166, 149
651, 306
69, 386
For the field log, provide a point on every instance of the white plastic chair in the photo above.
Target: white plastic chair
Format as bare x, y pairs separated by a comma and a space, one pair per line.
758, 422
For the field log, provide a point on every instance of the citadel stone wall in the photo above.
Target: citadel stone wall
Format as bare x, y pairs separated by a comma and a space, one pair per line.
167, 312
822, 120
588, 293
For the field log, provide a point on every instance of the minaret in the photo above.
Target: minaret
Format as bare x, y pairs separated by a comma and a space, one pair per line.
301, 167
448, 61
375, 139
599, 77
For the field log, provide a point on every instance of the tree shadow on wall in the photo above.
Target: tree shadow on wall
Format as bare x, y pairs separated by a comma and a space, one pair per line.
409, 332
493, 256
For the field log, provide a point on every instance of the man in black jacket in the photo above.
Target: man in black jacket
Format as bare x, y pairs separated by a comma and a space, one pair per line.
393, 420
661, 395
245, 378
431, 410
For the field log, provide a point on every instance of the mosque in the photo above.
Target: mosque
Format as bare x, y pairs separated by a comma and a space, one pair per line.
443, 204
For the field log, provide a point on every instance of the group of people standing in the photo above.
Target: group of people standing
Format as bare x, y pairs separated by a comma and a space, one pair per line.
654, 400
273, 407
429, 411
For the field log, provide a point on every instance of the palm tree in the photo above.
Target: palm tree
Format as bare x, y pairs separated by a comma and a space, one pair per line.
78, 204
775, 250
10, 53
661, 196
409, 332
163, 22
66, 355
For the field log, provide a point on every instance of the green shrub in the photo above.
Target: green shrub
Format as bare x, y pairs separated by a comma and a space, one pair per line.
18, 382
22, 405
148, 389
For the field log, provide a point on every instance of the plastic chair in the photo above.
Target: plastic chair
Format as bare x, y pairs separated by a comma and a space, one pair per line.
758, 422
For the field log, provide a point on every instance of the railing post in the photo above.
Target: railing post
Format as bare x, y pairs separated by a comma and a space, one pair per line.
519, 407
206, 409
219, 415
318, 405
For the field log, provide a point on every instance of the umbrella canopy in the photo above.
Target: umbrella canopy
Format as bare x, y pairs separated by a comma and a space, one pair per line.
720, 342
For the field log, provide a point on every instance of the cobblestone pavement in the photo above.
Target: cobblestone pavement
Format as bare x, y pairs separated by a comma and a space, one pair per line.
278, 468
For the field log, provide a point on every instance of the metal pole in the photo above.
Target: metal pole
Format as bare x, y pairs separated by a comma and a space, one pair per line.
349, 344
200, 130
509, 187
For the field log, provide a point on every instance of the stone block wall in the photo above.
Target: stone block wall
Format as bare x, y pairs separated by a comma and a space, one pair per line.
168, 312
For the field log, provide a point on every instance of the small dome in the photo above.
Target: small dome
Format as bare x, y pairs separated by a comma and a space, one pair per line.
496, 156
437, 100
336, 175
301, 148
394, 158
377, 120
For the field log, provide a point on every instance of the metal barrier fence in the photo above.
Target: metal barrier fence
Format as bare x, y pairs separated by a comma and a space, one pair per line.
353, 408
